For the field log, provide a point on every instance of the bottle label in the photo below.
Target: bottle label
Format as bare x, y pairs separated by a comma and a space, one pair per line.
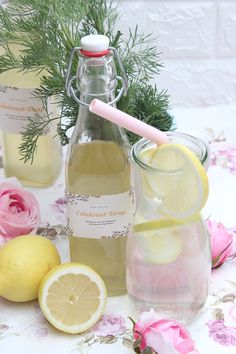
106, 216
17, 105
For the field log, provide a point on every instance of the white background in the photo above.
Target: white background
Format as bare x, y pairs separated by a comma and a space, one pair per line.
197, 39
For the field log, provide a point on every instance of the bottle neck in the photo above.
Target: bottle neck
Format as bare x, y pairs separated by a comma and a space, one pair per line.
87, 97
90, 126
96, 78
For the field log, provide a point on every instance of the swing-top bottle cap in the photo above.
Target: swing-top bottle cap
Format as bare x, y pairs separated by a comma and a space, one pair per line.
94, 43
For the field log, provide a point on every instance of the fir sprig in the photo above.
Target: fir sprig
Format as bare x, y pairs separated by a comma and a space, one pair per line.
46, 37
37, 126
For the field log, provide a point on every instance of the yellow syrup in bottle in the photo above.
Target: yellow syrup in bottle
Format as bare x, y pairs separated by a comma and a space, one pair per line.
17, 104
100, 169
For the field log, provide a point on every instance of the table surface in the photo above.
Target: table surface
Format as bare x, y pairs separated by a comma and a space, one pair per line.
24, 330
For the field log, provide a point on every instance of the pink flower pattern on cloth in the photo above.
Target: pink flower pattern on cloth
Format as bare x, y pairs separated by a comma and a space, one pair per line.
232, 313
19, 211
60, 205
223, 155
222, 334
162, 335
110, 325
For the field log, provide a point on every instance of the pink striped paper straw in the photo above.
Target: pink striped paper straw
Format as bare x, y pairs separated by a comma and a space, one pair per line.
128, 122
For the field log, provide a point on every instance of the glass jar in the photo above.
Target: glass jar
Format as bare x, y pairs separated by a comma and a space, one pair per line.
168, 263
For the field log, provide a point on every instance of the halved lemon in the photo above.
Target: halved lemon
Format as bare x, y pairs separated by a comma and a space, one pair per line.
72, 297
181, 182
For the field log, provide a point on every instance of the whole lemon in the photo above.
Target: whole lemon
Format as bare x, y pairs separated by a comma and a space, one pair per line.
24, 261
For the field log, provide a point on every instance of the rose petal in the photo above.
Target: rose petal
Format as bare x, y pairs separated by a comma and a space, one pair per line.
185, 346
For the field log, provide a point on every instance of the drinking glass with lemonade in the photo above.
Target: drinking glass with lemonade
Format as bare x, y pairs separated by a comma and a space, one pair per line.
168, 254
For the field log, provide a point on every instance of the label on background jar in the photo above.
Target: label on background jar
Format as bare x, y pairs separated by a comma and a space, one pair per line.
106, 216
17, 105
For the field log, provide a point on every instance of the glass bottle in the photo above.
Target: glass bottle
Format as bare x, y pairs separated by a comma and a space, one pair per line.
98, 170
17, 105
168, 265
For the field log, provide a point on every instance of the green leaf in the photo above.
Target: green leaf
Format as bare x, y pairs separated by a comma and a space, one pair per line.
137, 343
218, 314
131, 319
217, 259
149, 350
127, 342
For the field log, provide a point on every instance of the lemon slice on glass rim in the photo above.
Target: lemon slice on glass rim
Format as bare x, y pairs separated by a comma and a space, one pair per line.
180, 182
72, 297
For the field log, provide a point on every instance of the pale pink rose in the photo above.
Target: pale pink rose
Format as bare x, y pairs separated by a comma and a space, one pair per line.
221, 242
110, 325
19, 211
225, 156
163, 335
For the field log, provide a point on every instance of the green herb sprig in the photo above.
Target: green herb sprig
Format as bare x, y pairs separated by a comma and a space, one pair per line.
47, 34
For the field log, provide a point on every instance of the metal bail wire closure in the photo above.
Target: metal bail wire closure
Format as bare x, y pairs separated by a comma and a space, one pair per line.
70, 79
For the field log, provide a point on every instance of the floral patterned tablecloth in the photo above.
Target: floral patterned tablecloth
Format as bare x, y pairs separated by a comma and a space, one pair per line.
24, 330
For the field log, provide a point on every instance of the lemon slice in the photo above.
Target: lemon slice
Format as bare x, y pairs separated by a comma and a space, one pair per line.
162, 224
159, 240
72, 297
147, 155
181, 183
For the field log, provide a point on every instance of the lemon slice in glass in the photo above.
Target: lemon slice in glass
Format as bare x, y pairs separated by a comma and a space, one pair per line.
72, 297
162, 224
159, 241
147, 155
181, 182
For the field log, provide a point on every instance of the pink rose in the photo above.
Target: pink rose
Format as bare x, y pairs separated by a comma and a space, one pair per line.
110, 325
19, 211
164, 336
221, 242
